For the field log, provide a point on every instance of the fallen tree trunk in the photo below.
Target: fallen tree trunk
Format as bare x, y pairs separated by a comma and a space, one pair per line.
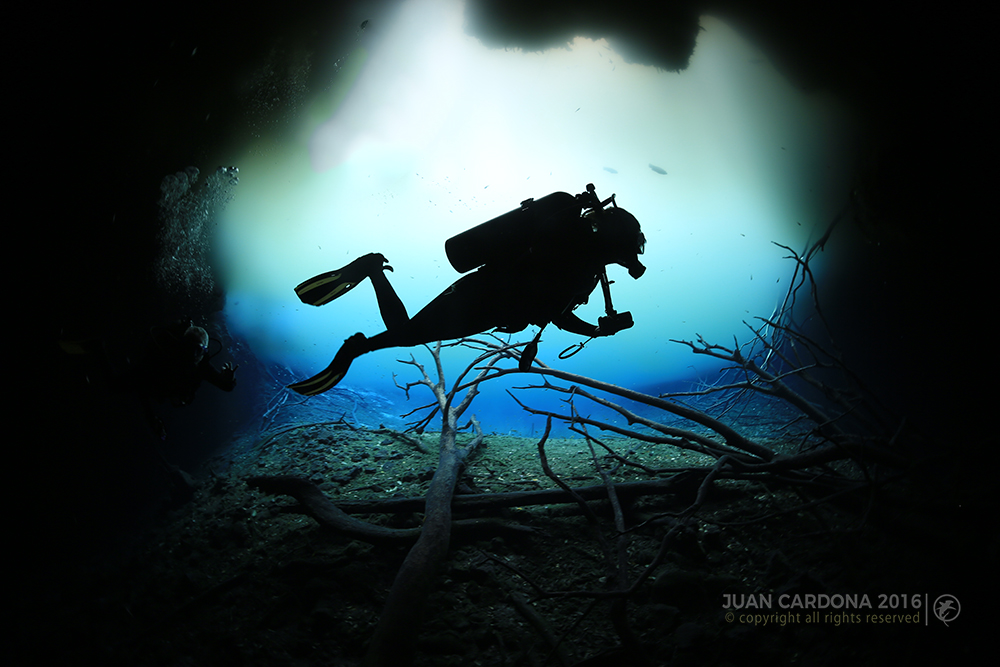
338, 517
394, 638
685, 482
318, 505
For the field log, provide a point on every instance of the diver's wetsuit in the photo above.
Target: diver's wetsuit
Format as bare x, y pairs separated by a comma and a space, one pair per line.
536, 288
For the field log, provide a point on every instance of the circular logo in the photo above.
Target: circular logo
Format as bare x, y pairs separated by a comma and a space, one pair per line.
947, 608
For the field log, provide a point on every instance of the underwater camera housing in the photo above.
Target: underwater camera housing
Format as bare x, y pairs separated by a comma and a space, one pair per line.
614, 322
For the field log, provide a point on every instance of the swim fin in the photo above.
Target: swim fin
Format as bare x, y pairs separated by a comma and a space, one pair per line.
329, 377
326, 287
324, 381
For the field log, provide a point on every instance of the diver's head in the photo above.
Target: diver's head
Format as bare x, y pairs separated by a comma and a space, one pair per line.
195, 340
620, 237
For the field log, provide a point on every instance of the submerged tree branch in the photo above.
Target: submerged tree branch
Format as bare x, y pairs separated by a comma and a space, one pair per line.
394, 640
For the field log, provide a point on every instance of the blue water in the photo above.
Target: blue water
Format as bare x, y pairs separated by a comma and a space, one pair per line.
425, 132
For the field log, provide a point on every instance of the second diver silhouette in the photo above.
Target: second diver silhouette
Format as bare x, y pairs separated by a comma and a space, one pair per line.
536, 264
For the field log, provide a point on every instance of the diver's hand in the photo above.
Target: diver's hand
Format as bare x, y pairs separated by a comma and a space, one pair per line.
228, 374
609, 325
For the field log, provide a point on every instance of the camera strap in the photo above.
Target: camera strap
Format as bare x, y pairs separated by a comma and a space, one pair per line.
573, 349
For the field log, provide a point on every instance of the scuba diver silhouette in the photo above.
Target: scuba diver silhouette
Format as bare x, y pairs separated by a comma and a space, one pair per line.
536, 265
176, 363
172, 366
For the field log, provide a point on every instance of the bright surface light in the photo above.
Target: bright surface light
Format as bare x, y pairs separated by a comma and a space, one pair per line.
437, 133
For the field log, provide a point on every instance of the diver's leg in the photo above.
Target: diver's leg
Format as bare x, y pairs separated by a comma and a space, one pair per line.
392, 309
464, 309
326, 379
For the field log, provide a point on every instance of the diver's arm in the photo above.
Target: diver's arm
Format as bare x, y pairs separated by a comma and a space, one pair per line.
570, 322
224, 379
609, 324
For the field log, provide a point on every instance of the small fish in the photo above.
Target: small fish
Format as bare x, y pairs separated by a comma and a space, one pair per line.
610, 170
364, 24
658, 170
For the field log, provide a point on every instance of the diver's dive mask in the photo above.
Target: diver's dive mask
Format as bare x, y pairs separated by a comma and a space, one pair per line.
636, 269
621, 228
196, 342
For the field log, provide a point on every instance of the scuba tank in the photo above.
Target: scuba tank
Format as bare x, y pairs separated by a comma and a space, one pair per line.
509, 235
